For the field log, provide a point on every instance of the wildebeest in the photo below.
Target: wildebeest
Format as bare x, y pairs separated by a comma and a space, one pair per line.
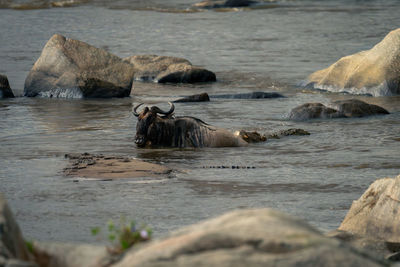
153, 130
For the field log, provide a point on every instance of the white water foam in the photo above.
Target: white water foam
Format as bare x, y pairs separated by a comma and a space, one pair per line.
380, 90
62, 93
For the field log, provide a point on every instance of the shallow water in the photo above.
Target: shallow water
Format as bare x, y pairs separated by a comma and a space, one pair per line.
315, 177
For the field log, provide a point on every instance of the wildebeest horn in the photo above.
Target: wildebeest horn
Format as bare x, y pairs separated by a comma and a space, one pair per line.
135, 108
158, 110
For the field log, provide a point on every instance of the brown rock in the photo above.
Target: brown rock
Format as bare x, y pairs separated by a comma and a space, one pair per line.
112, 167
203, 97
376, 214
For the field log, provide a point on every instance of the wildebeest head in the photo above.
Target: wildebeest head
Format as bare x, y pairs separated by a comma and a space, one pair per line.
146, 118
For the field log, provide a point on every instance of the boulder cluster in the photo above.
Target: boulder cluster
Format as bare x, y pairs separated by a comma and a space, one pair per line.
74, 69
368, 236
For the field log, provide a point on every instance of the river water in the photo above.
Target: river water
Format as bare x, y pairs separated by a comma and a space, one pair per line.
268, 48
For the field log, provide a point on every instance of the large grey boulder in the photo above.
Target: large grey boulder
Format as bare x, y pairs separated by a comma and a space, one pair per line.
5, 90
351, 108
261, 237
13, 250
375, 71
164, 69
376, 214
74, 69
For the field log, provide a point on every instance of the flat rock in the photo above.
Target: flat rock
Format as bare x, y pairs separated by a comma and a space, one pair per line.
252, 95
208, 4
375, 72
164, 69
376, 214
112, 167
74, 69
203, 97
5, 90
261, 237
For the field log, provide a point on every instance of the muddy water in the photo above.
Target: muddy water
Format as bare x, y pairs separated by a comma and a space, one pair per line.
315, 177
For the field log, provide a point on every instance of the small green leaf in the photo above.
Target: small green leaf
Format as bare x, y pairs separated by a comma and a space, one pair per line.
29, 245
95, 230
111, 237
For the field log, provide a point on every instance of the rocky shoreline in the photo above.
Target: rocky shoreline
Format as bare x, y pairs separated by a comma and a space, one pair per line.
255, 237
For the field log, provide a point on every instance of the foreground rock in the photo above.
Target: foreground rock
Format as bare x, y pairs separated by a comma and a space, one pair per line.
351, 108
13, 250
74, 69
375, 71
376, 214
252, 95
248, 238
5, 90
112, 167
163, 69
224, 4
71, 255
203, 97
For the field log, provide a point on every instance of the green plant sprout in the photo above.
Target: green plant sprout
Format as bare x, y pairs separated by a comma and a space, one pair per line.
124, 235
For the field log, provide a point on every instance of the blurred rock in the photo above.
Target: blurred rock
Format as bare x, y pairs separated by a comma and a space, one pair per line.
252, 95
262, 237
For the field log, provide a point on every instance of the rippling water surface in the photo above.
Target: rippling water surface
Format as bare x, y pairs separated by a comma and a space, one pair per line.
272, 47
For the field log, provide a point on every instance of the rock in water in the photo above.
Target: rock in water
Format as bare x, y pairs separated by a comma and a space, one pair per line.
356, 108
74, 69
252, 95
375, 72
224, 4
203, 97
163, 69
5, 90
351, 108
261, 237
376, 214
313, 111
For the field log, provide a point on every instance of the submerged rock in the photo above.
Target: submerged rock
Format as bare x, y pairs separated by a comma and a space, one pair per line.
262, 237
13, 250
5, 90
351, 108
375, 72
203, 97
74, 69
112, 167
163, 69
252, 95
208, 4
356, 108
313, 111
376, 214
